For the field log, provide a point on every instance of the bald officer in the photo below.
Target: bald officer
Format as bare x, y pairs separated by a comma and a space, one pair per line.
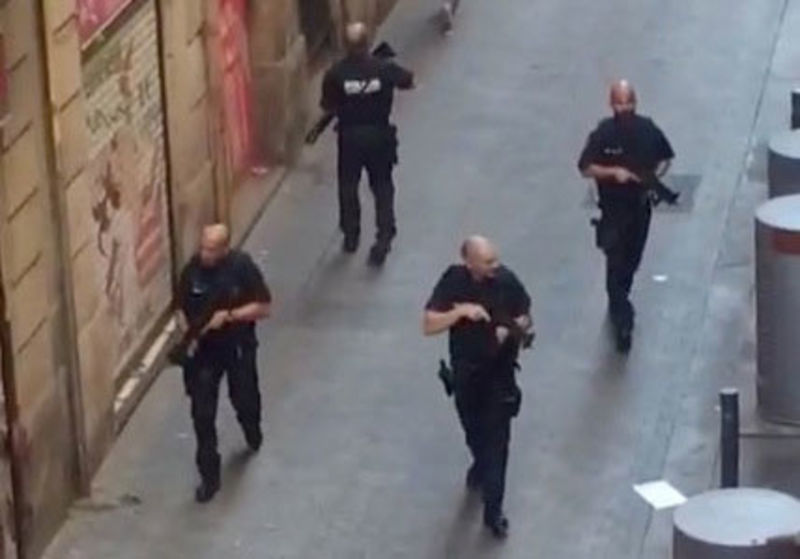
486, 310
359, 90
229, 281
622, 155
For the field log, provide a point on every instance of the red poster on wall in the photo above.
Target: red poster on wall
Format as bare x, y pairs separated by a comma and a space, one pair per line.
94, 15
236, 83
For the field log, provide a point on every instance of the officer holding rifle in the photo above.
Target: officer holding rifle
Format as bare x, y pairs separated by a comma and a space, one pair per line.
221, 295
626, 155
486, 310
359, 91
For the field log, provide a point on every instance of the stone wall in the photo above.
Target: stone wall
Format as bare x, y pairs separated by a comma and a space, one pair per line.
64, 156
189, 124
30, 254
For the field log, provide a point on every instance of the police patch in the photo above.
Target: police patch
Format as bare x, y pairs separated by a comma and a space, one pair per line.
362, 87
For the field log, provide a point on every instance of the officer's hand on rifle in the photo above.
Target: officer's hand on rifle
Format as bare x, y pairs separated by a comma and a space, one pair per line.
473, 312
623, 175
502, 334
220, 319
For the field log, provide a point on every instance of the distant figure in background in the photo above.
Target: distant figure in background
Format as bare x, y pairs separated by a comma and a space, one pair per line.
448, 12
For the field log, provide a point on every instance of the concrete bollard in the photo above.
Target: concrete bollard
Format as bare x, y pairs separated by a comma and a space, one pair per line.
778, 309
783, 164
736, 524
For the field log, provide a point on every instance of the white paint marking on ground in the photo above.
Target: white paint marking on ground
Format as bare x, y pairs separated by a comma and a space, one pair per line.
660, 494
660, 278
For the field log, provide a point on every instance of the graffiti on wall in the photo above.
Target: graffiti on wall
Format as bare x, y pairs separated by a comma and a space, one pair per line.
94, 15
127, 169
234, 60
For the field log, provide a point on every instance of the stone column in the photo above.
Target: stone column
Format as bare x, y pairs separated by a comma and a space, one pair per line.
280, 81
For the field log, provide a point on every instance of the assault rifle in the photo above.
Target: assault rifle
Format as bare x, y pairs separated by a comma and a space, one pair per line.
657, 191
521, 337
184, 349
383, 51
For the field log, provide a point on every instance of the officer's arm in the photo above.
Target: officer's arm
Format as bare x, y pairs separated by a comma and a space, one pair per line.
599, 172
260, 296
436, 322
522, 306
329, 100
586, 163
179, 301
603, 173
664, 152
400, 77
251, 312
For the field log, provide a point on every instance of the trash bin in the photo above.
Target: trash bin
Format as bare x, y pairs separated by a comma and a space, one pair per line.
735, 524
783, 163
778, 309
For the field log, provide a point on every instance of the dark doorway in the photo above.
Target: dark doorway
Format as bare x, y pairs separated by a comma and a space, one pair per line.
317, 26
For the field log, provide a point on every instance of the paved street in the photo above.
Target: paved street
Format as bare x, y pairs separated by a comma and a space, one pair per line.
364, 457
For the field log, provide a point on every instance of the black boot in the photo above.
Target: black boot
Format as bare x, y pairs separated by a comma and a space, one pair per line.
498, 526
206, 491
254, 438
350, 244
378, 252
624, 338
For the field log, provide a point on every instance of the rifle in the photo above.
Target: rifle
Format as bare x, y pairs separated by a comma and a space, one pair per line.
383, 51
657, 191
184, 349
521, 337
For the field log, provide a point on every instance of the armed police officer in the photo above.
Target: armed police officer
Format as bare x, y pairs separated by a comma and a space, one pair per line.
487, 312
625, 155
359, 90
223, 289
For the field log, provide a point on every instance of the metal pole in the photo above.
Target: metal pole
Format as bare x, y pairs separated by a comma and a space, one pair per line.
795, 124
729, 438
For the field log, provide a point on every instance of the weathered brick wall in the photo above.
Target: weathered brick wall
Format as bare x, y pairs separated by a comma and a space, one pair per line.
71, 153
189, 125
28, 241
109, 156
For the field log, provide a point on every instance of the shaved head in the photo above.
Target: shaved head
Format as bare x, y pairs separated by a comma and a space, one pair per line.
480, 256
214, 243
356, 38
622, 97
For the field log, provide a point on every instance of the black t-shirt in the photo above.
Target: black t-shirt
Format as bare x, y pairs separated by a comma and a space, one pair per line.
360, 90
638, 145
504, 297
233, 282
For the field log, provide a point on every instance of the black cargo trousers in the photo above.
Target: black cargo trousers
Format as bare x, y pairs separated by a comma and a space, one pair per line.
203, 376
622, 235
487, 398
374, 148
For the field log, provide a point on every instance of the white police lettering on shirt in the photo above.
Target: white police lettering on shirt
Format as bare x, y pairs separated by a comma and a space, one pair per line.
362, 87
